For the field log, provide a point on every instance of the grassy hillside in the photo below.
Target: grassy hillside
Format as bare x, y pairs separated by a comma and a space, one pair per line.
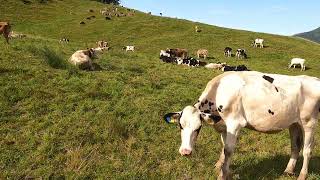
59, 122
313, 35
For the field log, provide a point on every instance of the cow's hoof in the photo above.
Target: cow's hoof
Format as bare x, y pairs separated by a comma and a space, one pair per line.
302, 177
288, 173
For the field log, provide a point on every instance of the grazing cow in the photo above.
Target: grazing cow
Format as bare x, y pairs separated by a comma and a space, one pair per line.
129, 48
203, 53
197, 29
241, 54
258, 42
227, 51
235, 68
5, 29
216, 65
64, 40
164, 53
83, 58
267, 103
298, 61
183, 53
102, 44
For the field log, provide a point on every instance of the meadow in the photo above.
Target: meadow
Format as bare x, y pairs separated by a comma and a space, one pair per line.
59, 122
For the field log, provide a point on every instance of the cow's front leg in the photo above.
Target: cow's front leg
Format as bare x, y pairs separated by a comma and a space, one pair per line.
309, 131
218, 165
233, 129
296, 137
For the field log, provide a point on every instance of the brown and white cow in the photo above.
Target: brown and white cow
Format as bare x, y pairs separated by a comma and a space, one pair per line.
262, 102
202, 53
178, 52
5, 29
83, 58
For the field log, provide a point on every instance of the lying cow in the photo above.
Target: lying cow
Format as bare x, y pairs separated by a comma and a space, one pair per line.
298, 61
190, 62
235, 68
241, 54
182, 53
202, 53
227, 51
218, 65
168, 59
129, 48
258, 42
83, 58
262, 102
5, 29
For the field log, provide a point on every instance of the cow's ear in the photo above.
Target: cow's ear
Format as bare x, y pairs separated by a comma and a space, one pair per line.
172, 117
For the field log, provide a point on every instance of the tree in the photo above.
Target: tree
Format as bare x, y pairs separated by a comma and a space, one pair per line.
117, 2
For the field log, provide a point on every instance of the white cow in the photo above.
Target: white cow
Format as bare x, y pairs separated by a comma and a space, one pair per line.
258, 42
215, 65
263, 102
298, 61
129, 48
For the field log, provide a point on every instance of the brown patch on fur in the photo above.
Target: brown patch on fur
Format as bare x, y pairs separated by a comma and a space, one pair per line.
5, 29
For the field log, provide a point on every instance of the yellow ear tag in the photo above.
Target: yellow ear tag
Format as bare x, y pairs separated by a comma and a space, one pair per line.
172, 121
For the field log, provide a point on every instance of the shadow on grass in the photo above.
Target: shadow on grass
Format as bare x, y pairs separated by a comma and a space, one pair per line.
53, 59
273, 167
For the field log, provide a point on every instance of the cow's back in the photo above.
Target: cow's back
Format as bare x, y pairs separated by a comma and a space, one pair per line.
265, 102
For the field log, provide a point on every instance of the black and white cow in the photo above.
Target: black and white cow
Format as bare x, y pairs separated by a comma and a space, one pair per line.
227, 51
235, 68
267, 103
241, 54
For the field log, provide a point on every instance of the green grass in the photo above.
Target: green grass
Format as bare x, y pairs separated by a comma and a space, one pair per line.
59, 122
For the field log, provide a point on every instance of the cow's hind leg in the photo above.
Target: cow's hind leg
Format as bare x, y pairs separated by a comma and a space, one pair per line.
296, 137
309, 131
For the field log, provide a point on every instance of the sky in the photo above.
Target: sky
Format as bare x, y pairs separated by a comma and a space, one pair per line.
284, 17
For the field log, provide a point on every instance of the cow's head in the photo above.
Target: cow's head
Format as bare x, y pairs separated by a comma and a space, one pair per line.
190, 122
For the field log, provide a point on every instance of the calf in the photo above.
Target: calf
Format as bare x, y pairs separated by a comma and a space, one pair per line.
227, 51
203, 53
168, 59
5, 29
241, 54
183, 53
258, 42
298, 61
267, 103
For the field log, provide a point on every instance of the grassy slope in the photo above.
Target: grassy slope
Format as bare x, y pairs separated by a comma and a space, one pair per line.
313, 35
57, 121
